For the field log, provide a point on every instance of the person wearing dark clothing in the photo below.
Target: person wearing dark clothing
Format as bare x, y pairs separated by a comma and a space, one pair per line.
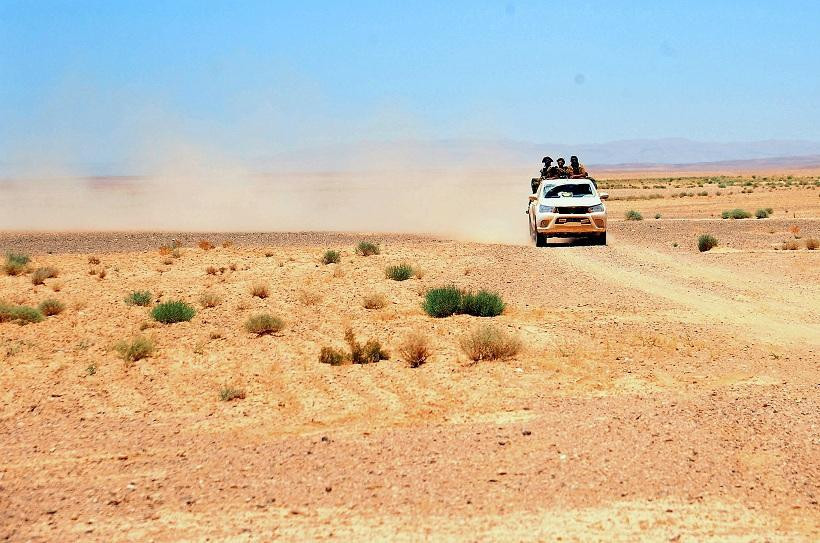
576, 169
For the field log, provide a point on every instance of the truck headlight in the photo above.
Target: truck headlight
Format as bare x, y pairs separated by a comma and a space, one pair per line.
545, 209
596, 209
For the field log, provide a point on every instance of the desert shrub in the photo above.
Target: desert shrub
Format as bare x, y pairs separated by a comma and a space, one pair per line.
367, 248
657, 215
762, 214
263, 323
770, 211
812, 244
482, 304
260, 290
309, 297
703, 193
369, 353
736, 213
15, 263
20, 314
331, 257
706, 242
137, 349
205, 245
790, 245
211, 270
332, 356
165, 250
102, 273
209, 299
139, 297
50, 307
93, 260
227, 244
633, 215
795, 231
489, 343
374, 301
229, 393
173, 311
41, 274
443, 301
402, 272
415, 349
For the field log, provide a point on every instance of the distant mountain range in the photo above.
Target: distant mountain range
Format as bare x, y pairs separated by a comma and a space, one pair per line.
447, 154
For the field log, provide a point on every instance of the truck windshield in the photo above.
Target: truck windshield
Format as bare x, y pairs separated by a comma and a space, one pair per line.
575, 190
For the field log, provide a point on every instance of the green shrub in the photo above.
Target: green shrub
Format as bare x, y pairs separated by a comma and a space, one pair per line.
402, 272
489, 343
706, 242
51, 307
41, 274
443, 301
331, 257
139, 297
367, 248
21, 314
263, 323
15, 263
228, 393
482, 304
736, 213
657, 215
173, 311
762, 214
332, 356
137, 349
633, 215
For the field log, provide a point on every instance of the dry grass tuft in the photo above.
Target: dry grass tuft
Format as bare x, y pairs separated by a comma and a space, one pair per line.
41, 274
205, 245
332, 356
487, 342
229, 393
260, 290
211, 270
93, 260
263, 324
790, 246
415, 349
137, 349
812, 244
369, 353
51, 307
309, 297
374, 301
227, 244
209, 299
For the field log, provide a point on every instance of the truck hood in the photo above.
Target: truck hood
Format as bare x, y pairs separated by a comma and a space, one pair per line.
585, 201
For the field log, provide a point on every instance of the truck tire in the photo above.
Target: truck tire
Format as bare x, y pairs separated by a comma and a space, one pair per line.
540, 240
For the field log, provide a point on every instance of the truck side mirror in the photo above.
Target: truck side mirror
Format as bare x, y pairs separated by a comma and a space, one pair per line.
604, 195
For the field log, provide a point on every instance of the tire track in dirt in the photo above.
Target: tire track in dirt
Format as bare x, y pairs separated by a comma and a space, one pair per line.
756, 319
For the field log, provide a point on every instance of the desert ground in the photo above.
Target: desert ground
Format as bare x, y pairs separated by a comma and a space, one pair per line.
660, 393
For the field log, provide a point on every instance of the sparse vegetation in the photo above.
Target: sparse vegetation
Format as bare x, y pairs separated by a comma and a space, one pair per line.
487, 342
633, 215
706, 242
209, 299
205, 245
137, 349
260, 290
401, 272
790, 245
21, 314
93, 260
229, 393
369, 353
374, 301
309, 296
51, 307
172, 312
762, 214
367, 248
334, 357
449, 300
211, 270
331, 257
139, 297
812, 244
443, 301
657, 215
15, 263
263, 324
41, 274
482, 304
415, 349
736, 213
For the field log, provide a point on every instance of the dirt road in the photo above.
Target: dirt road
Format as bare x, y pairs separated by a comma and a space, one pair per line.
662, 394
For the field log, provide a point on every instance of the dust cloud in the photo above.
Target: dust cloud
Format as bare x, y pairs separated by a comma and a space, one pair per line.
195, 190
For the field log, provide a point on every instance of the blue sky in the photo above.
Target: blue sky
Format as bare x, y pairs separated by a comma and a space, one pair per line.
94, 79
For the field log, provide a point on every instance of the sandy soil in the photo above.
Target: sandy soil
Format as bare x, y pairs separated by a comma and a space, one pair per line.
662, 393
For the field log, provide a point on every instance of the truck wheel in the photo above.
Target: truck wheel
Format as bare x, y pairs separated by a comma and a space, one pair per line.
601, 239
540, 240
